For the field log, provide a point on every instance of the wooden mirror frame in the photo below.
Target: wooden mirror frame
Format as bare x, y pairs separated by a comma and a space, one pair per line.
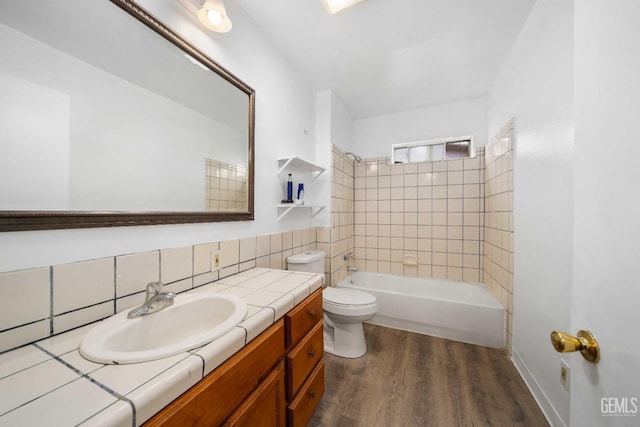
47, 220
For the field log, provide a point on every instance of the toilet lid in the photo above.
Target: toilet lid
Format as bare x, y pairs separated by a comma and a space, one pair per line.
346, 296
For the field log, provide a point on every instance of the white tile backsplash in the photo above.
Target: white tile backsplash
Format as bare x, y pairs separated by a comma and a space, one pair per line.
84, 316
202, 257
248, 248
81, 284
87, 291
25, 297
176, 264
230, 252
134, 272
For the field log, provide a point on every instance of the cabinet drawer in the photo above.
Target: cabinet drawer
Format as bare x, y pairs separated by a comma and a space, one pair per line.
301, 409
302, 359
213, 399
303, 317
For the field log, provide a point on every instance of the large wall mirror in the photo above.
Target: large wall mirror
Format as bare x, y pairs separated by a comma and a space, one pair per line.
109, 118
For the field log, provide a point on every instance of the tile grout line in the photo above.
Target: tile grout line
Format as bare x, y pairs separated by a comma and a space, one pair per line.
115, 278
50, 300
92, 380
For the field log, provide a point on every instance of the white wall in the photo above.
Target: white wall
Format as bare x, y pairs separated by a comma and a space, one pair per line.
333, 126
284, 108
536, 86
323, 152
341, 123
373, 136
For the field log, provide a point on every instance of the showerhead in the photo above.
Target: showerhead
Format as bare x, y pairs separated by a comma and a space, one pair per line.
357, 158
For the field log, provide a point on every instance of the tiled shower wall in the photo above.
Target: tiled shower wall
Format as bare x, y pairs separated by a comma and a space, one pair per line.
337, 242
420, 219
449, 219
41, 302
498, 241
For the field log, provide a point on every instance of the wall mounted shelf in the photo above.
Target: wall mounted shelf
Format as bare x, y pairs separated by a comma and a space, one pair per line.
285, 208
296, 164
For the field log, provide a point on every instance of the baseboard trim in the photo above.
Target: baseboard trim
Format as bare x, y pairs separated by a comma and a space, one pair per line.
543, 402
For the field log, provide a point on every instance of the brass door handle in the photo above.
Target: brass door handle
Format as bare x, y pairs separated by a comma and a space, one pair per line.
585, 343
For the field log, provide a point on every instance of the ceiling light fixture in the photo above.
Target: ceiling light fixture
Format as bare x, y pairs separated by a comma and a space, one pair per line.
335, 6
212, 14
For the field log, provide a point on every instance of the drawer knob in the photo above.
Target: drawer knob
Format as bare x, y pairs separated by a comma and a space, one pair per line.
312, 393
312, 353
311, 313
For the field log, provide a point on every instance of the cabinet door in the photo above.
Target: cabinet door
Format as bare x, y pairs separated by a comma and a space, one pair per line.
266, 406
213, 399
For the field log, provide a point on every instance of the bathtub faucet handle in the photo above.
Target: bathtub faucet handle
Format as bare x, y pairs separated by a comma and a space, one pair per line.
347, 256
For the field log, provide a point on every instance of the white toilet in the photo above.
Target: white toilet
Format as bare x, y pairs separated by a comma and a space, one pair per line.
344, 309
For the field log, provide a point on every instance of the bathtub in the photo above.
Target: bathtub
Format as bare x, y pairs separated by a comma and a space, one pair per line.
459, 311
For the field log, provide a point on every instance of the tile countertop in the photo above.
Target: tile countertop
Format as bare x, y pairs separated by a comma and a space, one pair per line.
50, 383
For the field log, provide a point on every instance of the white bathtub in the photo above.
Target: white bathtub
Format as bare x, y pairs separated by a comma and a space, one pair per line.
459, 311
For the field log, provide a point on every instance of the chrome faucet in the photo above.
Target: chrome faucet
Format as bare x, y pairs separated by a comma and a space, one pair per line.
350, 268
155, 300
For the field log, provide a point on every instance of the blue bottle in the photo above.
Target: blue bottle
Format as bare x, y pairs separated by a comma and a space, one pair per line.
301, 193
290, 189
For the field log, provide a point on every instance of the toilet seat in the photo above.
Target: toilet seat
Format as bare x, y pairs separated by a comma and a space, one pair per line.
346, 296
348, 302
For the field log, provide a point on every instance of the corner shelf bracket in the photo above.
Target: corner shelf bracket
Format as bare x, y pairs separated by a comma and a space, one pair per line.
296, 163
285, 209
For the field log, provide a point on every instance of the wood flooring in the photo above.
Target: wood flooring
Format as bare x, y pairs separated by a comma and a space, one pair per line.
409, 379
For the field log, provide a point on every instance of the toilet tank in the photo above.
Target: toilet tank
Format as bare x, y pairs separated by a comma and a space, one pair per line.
310, 261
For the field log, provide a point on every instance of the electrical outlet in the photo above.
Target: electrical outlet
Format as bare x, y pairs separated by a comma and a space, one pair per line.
565, 373
215, 260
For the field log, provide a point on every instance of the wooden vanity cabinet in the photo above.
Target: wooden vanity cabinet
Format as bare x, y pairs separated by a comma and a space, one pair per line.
304, 359
275, 380
265, 406
214, 399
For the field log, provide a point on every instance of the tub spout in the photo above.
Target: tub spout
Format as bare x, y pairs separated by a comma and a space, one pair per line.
350, 268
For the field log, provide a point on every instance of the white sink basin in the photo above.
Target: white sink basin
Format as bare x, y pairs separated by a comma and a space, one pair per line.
192, 321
